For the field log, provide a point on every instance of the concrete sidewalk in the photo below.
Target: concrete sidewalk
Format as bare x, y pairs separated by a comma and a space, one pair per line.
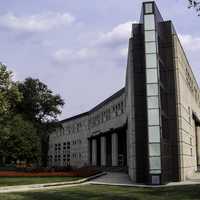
113, 178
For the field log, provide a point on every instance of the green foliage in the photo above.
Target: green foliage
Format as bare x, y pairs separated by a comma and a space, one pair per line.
195, 4
42, 107
9, 93
28, 113
19, 141
39, 103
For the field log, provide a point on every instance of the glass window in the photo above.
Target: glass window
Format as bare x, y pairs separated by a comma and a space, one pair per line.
150, 47
153, 117
151, 61
148, 8
154, 149
154, 134
150, 36
152, 89
152, 76
152, 102
149, 22
155, 171
155, 163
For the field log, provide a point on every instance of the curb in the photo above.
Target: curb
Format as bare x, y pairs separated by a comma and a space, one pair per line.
75, 182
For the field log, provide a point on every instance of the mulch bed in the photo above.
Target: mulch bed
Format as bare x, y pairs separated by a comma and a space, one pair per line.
83, 172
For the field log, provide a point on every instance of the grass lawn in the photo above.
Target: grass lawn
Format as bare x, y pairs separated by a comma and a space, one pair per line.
97, 192
8, 181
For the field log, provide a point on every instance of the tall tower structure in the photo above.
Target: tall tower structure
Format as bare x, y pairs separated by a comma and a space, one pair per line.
151, 99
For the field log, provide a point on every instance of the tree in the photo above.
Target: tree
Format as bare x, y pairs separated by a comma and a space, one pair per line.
9, 94
20, 141
28, 113
40, 106
9, 98
38, 102
195, 4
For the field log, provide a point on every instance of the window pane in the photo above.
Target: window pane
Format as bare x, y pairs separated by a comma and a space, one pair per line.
152, 89
154, 134
149, 22
151, 61
155, 171
150, 36
152, 76
153, 117
150, 47
155, 163
154, 149
152, 102
148, 8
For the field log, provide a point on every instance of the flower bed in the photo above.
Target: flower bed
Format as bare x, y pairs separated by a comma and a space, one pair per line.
83, 172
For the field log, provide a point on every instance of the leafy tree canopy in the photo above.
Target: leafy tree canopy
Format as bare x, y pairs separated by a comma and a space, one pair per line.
28, 113
9, 93
38, 102
19, 141
195, 4
42, 107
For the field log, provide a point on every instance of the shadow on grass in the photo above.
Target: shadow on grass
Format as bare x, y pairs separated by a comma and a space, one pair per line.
178, 192
95, 192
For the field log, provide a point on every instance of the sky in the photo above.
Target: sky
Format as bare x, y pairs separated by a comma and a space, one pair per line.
79, 48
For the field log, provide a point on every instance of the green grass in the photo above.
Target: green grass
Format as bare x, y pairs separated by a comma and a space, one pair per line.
8, 181
97, 192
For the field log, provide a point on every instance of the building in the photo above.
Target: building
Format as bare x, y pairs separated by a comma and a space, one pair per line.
152, 125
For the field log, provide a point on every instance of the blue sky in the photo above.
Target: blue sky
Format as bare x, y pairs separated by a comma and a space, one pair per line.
79, 48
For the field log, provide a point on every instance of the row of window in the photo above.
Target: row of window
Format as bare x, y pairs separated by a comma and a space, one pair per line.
107, 114
152, 85
74, 128
57, 147
66, 146
65, 157
75, 142
102, 117
76, 155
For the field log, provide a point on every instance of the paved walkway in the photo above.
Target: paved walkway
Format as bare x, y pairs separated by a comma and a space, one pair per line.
113, 178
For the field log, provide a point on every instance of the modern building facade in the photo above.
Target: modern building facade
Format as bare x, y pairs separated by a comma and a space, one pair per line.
152, 125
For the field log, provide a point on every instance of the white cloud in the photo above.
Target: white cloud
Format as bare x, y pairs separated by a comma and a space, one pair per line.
35, 23
68, 56
189, 42
109, 46
124, 52
118, 35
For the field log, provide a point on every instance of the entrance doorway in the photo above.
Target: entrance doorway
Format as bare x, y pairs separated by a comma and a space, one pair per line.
122, 150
